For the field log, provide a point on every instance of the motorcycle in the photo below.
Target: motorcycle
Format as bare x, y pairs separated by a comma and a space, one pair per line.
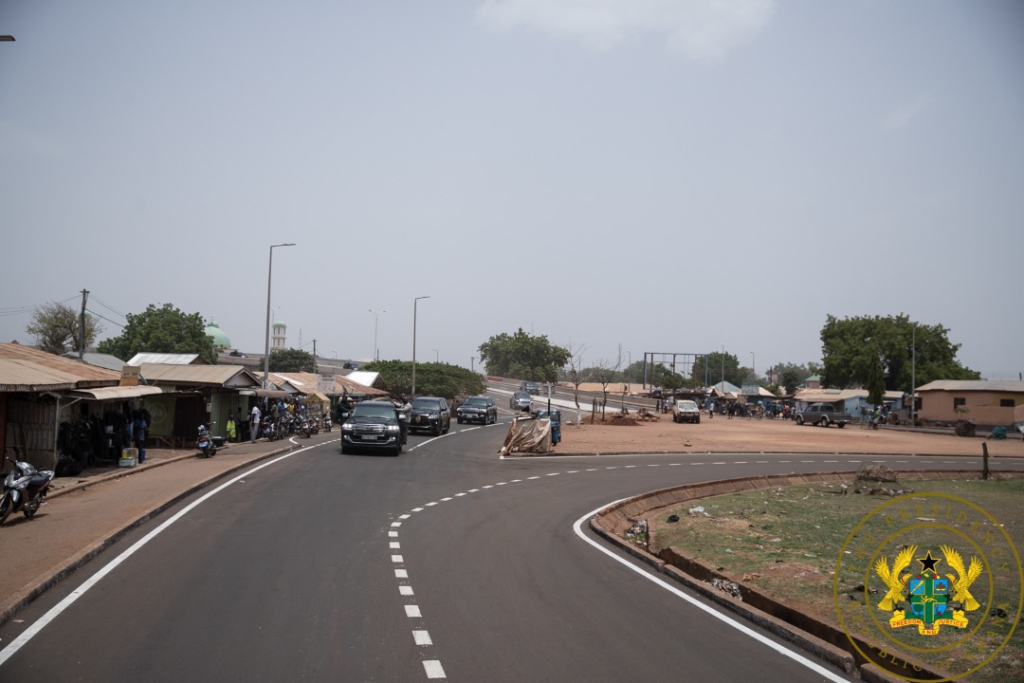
327, 422
204, 442
269, 429
24, 488
307, 430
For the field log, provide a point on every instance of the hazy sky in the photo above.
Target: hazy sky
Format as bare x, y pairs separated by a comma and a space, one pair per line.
668, 175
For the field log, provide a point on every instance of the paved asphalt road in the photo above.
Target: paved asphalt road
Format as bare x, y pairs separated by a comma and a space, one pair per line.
443, 562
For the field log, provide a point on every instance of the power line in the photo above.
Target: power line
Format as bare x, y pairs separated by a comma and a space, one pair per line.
91, 312
108, 307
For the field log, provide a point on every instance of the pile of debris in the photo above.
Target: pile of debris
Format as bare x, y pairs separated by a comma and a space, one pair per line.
621, 420
877, 473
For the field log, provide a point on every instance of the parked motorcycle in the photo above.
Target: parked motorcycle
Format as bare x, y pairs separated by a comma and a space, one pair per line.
307, 429
327, 422
24, 488
204, 442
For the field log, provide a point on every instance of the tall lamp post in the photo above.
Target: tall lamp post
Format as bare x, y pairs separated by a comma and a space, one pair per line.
753, 364
266, 353
376, 319
414, 303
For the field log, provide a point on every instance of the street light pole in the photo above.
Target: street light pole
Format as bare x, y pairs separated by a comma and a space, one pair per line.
414, 303
753, 363
266, 352
437, 356
376, 319
723, 368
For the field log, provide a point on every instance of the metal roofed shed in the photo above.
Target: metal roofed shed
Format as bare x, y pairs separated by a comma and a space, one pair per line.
119, 393
167, 359
26, 369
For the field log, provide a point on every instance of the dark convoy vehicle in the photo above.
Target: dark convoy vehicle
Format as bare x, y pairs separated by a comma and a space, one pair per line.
430, 413
373, 425
823, 414
477, 409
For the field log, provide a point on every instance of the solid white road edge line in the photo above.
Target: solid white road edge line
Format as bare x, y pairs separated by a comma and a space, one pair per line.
742, 628
56, 610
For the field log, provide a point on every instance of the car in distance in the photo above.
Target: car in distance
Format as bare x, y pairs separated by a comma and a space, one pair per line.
686, 411
477, 409
430, 413
373, 425
520, 400
823, 414
529, 387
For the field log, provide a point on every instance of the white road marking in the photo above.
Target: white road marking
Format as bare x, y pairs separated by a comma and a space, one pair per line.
654, 465
401, 573
473, 490
553, 474
719, 463
468, 429
501, 483
396, 524
405, 590
431, 504
433, 669
395, 545
742, 628
516, 481
761, 462
673, 464
422, 638
445, 500
806, 461
784, 461
630, 467
404, 516
417, 509
531, 478
69, 600
459, 495
696, 463
489, 486
397, 559
413, 611
393, 534
741, 462
830, 461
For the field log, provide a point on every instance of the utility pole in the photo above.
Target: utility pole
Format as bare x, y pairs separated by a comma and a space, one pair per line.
316, 367
81, 343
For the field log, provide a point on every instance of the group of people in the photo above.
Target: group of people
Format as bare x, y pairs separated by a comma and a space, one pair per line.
273, 410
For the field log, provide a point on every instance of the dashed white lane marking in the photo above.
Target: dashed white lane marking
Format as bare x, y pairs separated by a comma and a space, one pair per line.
395, 545
761, 462
431, 504
468, 429
404, 516
445, 500
433, 669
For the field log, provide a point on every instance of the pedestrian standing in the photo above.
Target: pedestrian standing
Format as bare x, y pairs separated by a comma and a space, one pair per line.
139, 429
254, 423
230, 428
239, 425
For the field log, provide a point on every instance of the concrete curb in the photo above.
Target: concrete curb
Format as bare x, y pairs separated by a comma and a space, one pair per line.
615, 519
831, 453
90, 552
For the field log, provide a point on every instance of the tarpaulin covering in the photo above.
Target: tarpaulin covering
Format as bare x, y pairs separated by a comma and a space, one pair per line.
527, 436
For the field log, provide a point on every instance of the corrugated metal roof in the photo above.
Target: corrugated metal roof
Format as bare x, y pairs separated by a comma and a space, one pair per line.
366, 378
345, 385
834, 395
120, 393
1003, 385
23, 368
215, 375
167, 359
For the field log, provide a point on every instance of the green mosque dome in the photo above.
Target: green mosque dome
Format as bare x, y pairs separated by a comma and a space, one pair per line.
220, 340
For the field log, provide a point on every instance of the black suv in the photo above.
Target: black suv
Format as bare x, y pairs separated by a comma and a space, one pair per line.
373, 425
476, 408
430, 413
531, 388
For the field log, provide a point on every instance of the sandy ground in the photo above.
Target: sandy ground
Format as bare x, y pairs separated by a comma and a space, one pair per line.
741, 435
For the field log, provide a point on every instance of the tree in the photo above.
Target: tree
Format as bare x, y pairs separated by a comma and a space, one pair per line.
876, 379
849, 346
714, 360
161, 330
791, 380
523, 356
574, 369
58, 328
291, 360
432, 379
603, 372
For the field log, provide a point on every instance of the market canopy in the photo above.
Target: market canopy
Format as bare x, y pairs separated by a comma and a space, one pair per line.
120, 393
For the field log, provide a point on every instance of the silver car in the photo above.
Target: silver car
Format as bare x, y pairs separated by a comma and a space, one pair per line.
521, 401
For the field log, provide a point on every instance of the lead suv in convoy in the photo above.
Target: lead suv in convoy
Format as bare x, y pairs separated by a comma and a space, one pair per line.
373, 425
430, 413
477, 408
529, 387
520, 400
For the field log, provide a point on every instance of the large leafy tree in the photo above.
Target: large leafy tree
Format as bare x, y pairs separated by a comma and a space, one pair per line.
851, 347
715, 362
161, 330
432, 379
291, 360
58, 328
523, 356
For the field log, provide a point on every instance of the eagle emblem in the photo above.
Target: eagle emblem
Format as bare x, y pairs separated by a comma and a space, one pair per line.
928, 593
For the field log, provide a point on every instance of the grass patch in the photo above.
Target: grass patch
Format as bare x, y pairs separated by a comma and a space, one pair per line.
787, 542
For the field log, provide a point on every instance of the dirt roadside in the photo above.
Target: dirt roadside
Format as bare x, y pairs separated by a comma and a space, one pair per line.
743, 435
